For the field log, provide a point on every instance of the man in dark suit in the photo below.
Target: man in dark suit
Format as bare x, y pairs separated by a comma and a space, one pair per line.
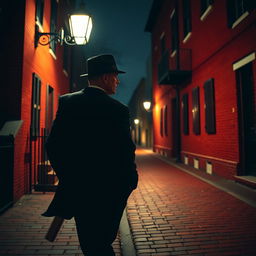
91, 151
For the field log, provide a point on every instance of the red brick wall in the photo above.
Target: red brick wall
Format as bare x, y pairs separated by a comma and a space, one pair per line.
40, 61
215, 48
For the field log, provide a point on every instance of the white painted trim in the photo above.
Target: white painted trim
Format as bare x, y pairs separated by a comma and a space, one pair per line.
210, 157
65, 72
244, 61
162, 35
242, 17
187, 37
205, 14
52, 53
172, 13
173, 53
41, 29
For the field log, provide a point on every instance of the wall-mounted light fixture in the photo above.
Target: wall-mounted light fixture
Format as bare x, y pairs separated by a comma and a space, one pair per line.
80, 25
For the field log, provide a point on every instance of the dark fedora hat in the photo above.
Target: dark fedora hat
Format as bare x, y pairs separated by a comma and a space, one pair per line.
101, 64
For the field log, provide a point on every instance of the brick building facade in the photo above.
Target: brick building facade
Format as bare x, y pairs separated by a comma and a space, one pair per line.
204, 71
33, 78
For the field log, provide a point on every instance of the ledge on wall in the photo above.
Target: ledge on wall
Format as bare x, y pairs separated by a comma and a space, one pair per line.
11, 128
247, 180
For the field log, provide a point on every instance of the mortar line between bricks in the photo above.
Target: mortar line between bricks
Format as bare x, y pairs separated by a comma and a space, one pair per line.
127, 245
215, 184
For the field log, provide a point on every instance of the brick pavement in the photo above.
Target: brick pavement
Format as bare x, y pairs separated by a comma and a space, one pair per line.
174, 213
22, 231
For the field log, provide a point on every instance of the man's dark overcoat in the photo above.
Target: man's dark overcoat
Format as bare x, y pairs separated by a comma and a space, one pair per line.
91, 150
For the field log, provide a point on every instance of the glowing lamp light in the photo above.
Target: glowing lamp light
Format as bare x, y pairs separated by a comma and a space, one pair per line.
147, 105
80, 28
136, 121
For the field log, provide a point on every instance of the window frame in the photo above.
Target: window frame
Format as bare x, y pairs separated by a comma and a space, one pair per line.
53, 25
185, 113
196, 110
187, 22
209, 106
39, 15
35, 105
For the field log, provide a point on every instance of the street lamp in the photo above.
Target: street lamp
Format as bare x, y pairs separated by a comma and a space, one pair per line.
147, 105
136, 121
80, 25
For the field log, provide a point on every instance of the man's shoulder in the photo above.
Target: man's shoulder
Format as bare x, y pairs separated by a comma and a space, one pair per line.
117, 105
71, 95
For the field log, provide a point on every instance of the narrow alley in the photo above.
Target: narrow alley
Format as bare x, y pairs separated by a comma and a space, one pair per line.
171, 213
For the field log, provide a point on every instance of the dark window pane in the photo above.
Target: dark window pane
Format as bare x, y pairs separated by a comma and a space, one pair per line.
196, 110
53, 28
36, 105
205, 4
165, 121
40, 11
174, 31
161, 122
210, 122
236, 8
185, 114
186, 17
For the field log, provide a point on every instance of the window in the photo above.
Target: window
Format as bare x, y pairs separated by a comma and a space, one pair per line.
165, 121
53, 21
238, 9
186, 18
163, 48
49, 108
185, 114
36, 107
205, 4
39, 12
196, 110
174, 31
161, 122
209, 99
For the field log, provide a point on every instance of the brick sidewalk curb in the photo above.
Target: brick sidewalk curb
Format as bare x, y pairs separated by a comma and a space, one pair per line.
127, 246
237, 190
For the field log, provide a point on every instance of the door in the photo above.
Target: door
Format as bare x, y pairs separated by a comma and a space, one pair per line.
174, 128
49, 108
247, 119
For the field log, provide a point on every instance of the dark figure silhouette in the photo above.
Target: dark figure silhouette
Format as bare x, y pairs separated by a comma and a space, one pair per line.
91, 151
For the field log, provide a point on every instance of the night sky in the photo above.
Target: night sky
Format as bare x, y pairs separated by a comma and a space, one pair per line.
118, 29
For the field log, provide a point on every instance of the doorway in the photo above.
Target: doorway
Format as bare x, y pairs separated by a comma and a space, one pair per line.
49, 108
247, 119
174, 128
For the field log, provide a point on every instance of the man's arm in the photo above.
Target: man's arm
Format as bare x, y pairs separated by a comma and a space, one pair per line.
55, 141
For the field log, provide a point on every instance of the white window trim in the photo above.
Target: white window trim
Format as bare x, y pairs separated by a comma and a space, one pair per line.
52, 53
173, 53
244, 61
162, 35
206, 13
240, 19
41, 29
65, 72
173, 12
187, 37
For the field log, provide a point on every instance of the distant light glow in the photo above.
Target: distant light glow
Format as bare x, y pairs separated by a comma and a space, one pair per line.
80, 28
136, 121
147, 105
